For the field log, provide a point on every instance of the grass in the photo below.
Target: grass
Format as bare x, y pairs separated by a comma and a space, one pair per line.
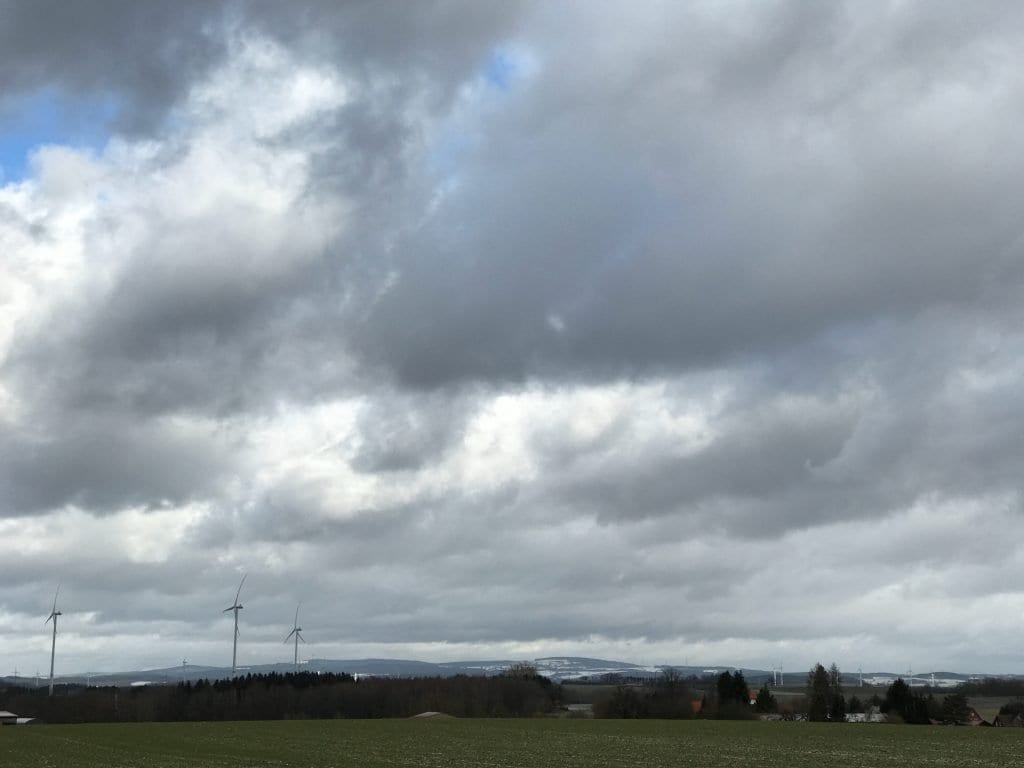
505, 743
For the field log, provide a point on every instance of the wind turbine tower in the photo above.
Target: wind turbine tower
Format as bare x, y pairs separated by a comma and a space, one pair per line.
54, 613
235, 608
297, 633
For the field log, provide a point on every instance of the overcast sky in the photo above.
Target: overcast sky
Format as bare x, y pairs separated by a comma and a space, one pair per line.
664, 332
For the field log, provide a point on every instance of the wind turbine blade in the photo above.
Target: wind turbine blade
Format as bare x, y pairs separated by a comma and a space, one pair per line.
229, 608
239, 592
290, 636
297, 614
302, 638
55, 594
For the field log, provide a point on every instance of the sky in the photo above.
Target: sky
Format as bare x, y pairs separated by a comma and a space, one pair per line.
662, 332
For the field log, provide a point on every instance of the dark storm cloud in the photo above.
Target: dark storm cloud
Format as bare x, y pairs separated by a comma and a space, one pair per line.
673, 225
665, 227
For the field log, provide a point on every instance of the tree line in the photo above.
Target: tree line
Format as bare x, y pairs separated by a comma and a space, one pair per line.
293, 696
727, 696
671, 696
518, 692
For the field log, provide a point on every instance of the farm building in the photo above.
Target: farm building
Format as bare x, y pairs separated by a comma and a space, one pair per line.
973, 718
871, 716
1009, 721
9, 718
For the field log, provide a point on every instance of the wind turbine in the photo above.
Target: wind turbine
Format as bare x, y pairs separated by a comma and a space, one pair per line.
54, 613
236, 607
297, 632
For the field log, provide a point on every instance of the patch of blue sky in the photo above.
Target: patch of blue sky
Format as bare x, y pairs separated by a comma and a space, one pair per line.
501, 70
506, 66
51, 116
504, 69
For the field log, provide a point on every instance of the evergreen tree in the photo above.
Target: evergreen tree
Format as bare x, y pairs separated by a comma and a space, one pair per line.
766, 701
733, 695
740, 689
723, 687
819, 694
901, 701
825, 701
837, 702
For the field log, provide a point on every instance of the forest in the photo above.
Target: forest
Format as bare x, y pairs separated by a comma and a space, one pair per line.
291, 696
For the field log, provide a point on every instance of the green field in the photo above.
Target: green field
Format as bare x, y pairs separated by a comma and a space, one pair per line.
499, 743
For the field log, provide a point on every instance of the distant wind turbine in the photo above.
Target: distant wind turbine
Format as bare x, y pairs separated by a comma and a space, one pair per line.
235, 607
54, 613
297, 632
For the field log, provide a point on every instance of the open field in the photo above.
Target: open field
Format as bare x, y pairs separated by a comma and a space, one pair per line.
500, 743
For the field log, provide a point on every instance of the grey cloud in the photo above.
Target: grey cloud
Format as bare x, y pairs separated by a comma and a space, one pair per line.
179, 330
750, 460
104, 463
398, 434
146, 55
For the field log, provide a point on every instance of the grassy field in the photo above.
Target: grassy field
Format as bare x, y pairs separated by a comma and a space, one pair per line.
500, 743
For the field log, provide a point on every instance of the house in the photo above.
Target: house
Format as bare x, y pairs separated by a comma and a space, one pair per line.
1009, 721
9, 718
873, 715
973, 718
